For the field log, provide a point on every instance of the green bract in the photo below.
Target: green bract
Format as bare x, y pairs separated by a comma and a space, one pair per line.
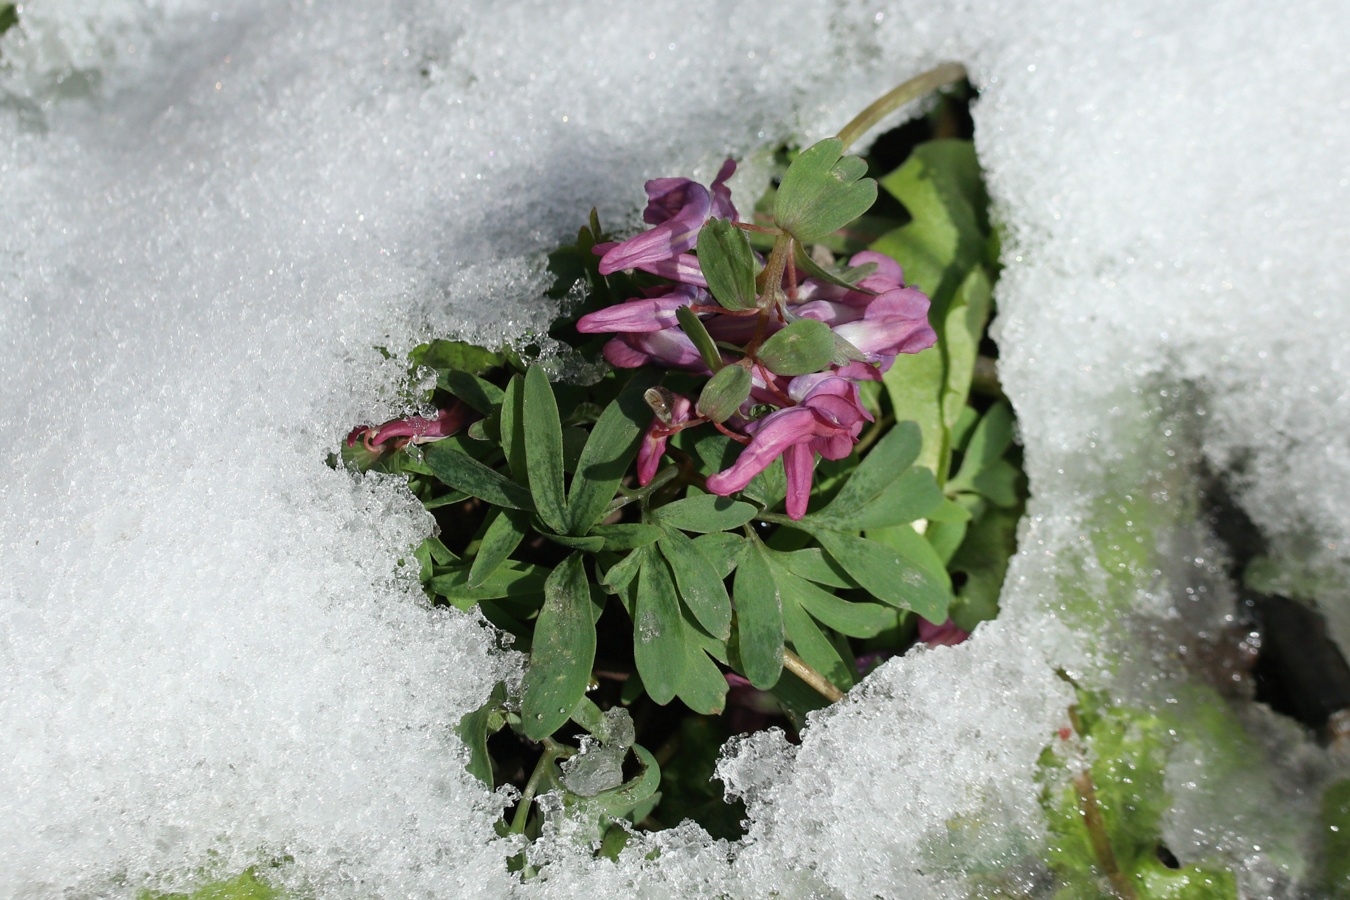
822, 191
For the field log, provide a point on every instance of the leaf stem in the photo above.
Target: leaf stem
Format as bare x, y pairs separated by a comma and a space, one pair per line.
627, 496
911, 90
522, 814
818, 682
1101, 842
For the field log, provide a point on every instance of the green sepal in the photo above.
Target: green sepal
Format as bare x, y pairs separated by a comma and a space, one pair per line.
544, 450
822, 191
728, 264
562, 653
724, 393
804, 347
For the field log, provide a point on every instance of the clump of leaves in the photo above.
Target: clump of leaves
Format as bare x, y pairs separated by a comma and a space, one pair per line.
773, 485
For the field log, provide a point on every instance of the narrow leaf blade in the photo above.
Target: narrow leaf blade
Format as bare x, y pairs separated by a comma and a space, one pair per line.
759, 619
544, 449
467, 474
562, 654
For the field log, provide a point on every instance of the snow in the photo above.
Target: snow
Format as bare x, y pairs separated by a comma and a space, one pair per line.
209, 653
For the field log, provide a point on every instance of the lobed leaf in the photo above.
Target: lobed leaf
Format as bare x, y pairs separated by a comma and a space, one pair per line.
658, 629
822, 191
699, 582
704, 513
510, 579
890, 575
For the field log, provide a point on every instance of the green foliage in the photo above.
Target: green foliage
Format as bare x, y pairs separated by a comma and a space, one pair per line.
545, 530
822, 191
728, 264
244, 886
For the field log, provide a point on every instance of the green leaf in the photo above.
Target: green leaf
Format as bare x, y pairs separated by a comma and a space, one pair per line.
658, 630
889, 575
562, 654
696, 332
621, 573
244, 886
846, 279
473, 729
704, 513
467, 474
700, 584
724, 393
503, 535
728, 264
822, 191
457, 356
512, 426
914, 386
911, 496
589, 543
626, 535
510, 579
704, 688
723, 549
811, 645
855, 619
966, 319
759, 618
813, 565
941, 187
483, 396
544, 450
608, 453
801, 348
881, 467
988, 442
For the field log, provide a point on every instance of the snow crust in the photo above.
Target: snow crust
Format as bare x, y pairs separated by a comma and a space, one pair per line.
209, 653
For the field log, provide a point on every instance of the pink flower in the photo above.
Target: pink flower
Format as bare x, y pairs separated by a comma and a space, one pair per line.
413, 429
679, 208
826, 421
641, 315
680, 409
944, 635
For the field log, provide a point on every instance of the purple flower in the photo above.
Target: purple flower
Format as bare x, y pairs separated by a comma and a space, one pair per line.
944, 635
413, 429
641, 315
679, 208
680, 410
826, 421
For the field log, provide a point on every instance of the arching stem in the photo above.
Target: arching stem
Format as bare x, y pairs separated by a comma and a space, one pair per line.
916, 87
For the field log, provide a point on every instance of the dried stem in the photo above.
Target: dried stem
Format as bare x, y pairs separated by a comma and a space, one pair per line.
913, 89
818, 682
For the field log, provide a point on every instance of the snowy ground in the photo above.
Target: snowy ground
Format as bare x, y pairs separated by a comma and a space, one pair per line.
214, 212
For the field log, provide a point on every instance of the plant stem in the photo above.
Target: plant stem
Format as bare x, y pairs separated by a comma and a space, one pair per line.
822, 685
911, 90
1101, 842
522, 814
627, 496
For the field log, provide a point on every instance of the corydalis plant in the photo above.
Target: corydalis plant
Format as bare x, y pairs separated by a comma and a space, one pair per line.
730, 502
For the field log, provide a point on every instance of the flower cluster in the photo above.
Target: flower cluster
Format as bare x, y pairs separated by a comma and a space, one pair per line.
780, 409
